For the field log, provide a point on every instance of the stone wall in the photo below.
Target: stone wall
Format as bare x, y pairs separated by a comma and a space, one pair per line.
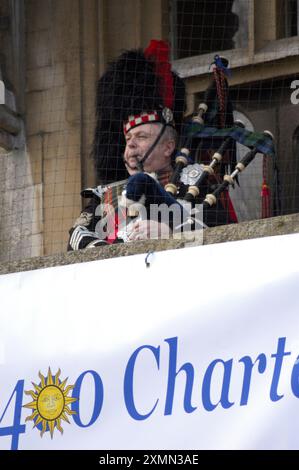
65, 56
53, 113
20, 197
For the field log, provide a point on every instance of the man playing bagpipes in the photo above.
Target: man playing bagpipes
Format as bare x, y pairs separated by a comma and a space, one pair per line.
141, 98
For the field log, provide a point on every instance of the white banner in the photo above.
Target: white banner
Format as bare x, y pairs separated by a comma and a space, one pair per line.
197, 351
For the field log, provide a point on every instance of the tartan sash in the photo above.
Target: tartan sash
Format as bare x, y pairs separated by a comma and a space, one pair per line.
263, 143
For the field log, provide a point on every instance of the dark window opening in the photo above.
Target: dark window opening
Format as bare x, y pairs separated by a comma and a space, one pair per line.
287, 18
204, 26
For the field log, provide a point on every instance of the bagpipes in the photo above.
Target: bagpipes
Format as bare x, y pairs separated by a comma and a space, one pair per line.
228, 180
183, 157
214, 127
213, 123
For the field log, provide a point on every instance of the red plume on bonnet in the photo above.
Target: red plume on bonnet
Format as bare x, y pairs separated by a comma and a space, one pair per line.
158, 52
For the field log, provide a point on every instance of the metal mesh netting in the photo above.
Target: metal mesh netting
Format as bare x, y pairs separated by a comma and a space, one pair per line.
52, 54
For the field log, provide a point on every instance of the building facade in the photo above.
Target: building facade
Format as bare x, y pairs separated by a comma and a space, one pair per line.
53, 51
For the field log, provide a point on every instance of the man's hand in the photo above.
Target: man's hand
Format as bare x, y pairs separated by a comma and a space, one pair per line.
149, 229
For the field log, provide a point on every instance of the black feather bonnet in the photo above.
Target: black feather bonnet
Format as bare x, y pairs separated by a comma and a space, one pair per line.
138, 81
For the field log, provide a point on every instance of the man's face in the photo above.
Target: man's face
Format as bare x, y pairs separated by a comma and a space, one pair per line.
138, 141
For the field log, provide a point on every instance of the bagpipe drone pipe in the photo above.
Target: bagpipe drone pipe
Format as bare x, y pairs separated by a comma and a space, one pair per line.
230, 179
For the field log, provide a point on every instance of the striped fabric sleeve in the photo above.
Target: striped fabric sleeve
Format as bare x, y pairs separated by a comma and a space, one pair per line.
81, 237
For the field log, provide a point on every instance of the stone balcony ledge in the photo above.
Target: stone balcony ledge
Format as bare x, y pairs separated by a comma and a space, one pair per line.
280, 225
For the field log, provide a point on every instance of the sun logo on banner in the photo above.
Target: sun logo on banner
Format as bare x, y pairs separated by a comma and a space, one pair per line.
50, 403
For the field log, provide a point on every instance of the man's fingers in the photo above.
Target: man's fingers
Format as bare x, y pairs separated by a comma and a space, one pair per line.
144, 229
139, 231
